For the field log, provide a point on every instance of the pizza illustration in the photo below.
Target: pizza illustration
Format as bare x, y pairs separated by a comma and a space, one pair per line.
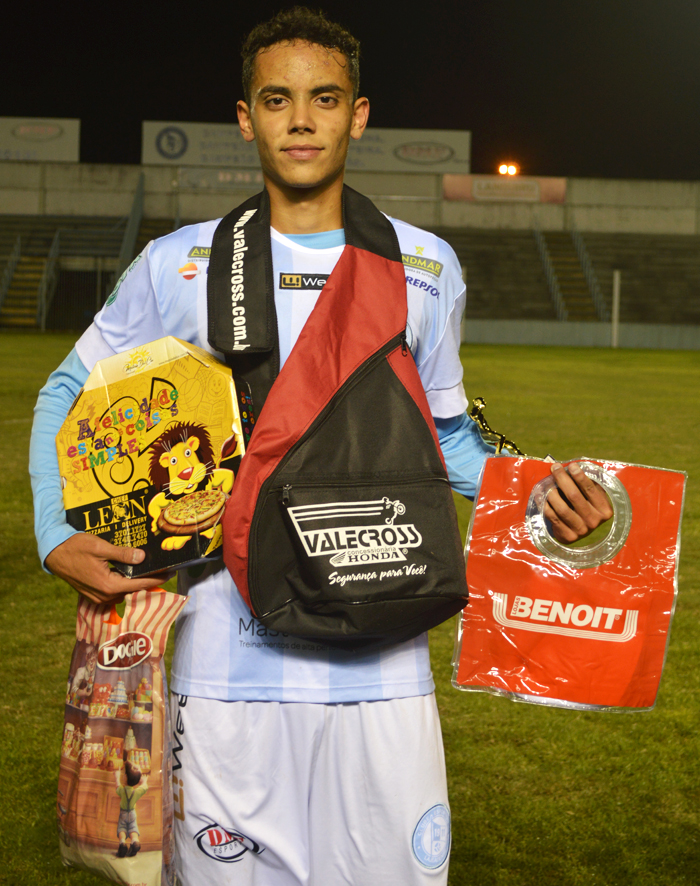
193, 513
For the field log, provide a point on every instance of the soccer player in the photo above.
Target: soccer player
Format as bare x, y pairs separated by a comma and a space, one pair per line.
295, 763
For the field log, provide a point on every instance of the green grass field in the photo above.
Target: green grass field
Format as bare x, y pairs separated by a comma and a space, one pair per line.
539, 796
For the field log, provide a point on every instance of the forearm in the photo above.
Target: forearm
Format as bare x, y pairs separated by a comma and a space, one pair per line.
464, 452
53, 404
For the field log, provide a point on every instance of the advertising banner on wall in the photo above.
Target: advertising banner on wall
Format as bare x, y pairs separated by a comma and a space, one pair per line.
504, 188
40, 138
379, 150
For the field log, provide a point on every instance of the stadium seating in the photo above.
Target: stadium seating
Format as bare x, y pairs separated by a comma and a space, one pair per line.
572, 281
82, 286
660, 280
660, 275
80, 237
505, 279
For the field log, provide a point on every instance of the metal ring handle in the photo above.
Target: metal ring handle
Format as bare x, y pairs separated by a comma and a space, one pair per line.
587, 556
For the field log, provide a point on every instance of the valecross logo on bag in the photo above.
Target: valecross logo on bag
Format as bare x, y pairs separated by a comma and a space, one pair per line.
567, 619
124, 652
225, 844
356, 532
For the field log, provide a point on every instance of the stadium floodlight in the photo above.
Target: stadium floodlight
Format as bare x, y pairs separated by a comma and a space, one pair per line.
503, 169
512, 169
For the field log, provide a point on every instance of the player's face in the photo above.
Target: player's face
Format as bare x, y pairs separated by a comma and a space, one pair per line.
302, 115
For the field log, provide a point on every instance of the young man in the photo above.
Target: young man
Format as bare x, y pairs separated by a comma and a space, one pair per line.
293, 765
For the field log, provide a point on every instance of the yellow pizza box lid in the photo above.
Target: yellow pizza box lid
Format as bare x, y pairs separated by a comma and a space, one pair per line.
151, 427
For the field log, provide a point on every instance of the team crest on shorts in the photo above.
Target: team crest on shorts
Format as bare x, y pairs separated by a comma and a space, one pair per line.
431, 838
225, 844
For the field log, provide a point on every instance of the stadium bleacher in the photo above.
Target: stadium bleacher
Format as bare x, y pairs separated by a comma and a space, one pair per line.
506, 279
570, 276
85, 237
660, 275
82, 286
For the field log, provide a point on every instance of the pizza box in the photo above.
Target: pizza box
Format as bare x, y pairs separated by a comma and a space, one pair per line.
149, 451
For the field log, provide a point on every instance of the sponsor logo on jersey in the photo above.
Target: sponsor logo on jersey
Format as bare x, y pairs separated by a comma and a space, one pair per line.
124, 652
354, 533
200, 252
423, 284
303, 281
189, 271
225, 844
567, 619
113, 297
421, 263
431, 838
240, 331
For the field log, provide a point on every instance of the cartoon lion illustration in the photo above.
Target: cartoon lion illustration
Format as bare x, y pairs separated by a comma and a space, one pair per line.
182, 463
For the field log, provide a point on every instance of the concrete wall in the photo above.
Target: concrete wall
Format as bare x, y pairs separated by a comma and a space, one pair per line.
585, 335
602, 205
84, 189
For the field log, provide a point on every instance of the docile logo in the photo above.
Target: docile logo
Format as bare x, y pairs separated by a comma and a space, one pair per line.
124, 652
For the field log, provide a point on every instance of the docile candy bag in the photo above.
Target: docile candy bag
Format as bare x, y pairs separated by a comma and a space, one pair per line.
115, 803
584, 627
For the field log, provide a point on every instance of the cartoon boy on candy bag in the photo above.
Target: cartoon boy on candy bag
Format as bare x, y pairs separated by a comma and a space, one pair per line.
129, 794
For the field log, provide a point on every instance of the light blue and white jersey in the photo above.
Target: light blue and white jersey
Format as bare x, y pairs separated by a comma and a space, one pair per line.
221, 651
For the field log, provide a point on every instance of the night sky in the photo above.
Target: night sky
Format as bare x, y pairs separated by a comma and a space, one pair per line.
607, 88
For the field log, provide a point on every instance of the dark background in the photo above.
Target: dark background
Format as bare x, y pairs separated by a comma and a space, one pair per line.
605, 88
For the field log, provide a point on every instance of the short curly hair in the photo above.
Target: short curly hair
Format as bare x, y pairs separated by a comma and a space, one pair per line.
300, 23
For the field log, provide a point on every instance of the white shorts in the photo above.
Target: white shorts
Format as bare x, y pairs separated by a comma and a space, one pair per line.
273, 794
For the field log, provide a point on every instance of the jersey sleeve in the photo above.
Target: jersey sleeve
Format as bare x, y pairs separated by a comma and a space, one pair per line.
464, 452
55, 399
436, 295
131, 316
437, 355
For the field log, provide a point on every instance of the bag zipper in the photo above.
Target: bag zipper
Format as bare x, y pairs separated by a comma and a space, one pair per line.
348, 484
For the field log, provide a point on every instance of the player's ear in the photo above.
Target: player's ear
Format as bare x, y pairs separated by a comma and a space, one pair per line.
193, 442
245, 121
360, 116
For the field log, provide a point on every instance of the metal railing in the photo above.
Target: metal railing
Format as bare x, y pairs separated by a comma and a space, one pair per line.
601, 308
10, 268
131, 232
550, 274
47, 285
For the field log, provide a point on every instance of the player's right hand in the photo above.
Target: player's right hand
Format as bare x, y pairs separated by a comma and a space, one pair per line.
83, 562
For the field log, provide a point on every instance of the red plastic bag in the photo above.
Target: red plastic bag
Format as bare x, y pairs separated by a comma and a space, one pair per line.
115, 804
581, 627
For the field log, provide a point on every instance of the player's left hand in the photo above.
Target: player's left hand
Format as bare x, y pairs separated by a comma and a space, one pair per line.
584, 507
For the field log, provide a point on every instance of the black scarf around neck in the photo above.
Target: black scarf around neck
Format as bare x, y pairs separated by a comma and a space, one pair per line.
242, 322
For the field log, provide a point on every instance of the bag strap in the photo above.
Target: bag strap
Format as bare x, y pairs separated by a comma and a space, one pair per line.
242, 319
